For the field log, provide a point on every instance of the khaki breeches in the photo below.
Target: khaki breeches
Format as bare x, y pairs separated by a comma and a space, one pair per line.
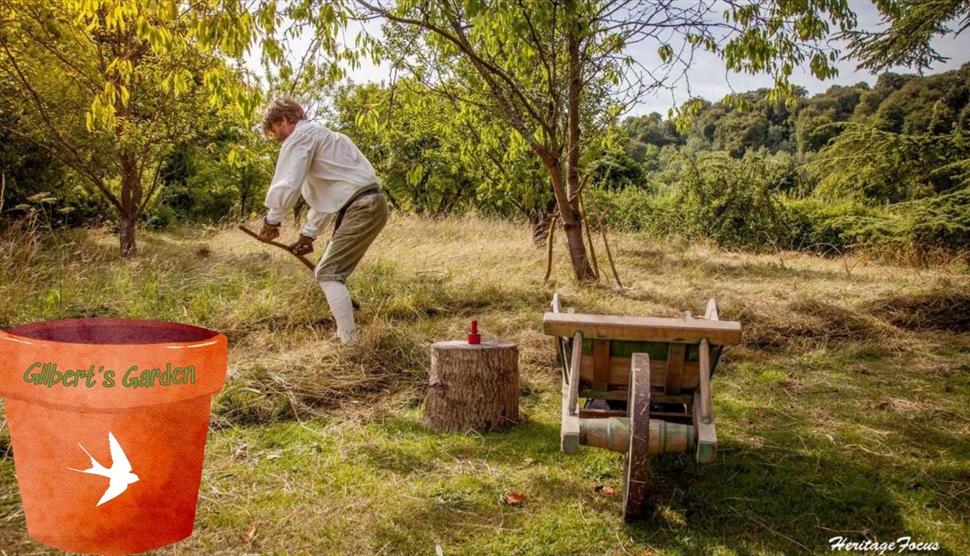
362, 221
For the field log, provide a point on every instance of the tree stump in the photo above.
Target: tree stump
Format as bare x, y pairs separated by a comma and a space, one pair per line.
473, 386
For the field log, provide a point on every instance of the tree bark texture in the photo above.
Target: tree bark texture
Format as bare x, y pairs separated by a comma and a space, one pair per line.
572, 225
473, 387
539, 222
130, 200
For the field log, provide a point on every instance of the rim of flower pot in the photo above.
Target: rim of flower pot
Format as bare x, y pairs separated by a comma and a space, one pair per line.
126, 363
113, 332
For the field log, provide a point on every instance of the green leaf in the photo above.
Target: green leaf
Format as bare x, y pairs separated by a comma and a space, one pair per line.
415, 175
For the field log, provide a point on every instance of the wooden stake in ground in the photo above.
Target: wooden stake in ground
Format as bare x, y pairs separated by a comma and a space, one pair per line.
473, 386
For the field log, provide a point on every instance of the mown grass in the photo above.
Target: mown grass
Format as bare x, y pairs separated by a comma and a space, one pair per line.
843, 413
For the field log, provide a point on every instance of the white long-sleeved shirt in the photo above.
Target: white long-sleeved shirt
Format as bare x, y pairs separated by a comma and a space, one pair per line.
322, 164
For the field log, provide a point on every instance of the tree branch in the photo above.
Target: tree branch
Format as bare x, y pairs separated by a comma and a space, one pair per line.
78, 162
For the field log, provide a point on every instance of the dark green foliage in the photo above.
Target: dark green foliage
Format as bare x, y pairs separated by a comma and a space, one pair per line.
651, 129
746, 121
883, 169
759, 202
735, 203
820, 226
922, 230
934, 104
31, 175
631, 209
213, 175
886, 84
814, 124
908, 104
616, 169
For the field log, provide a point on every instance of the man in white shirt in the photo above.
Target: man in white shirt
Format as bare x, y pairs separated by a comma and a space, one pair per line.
337, 181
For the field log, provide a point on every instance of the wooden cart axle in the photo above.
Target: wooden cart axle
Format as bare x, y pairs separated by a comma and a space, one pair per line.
614, 434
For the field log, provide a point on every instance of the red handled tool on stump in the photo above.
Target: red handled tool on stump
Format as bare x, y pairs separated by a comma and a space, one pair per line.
306, 262
474, 337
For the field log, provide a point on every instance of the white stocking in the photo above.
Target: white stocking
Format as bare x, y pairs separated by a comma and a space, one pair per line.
338, 297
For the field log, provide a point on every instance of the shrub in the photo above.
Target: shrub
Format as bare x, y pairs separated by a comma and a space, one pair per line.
631, 208
734, 203
918, 231
814, 224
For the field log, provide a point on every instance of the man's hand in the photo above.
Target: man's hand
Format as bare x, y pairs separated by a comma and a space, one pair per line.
269, 231
302, 246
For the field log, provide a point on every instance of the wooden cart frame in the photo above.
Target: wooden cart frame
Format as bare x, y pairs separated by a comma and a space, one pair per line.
646, 382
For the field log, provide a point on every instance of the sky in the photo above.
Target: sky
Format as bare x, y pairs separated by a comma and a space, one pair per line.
706, 77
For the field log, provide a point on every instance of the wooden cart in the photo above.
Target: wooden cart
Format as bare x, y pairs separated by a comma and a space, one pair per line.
645, 383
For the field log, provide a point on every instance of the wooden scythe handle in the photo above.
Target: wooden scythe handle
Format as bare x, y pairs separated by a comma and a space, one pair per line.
306, 262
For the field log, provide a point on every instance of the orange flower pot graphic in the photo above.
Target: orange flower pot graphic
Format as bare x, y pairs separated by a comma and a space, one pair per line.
108, 420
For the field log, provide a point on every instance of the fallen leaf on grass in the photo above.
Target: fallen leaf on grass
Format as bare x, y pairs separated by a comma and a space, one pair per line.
607, 490
513, 498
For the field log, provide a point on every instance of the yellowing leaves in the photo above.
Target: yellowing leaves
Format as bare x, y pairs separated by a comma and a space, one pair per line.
102, 113
416, 174
119, 67
177, 82
183, 81
665, 53
368, 119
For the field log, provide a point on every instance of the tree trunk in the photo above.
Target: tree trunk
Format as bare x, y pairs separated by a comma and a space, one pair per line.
572, 227
126, 235
473, 387
244, 204
539, 222
130, 201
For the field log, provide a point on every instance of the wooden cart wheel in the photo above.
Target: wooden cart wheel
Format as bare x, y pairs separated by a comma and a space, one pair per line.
636, 474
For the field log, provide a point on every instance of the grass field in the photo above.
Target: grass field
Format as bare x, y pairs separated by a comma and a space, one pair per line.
845, 411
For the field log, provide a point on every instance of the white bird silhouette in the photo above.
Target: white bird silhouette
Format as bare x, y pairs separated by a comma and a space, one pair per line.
119, 474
